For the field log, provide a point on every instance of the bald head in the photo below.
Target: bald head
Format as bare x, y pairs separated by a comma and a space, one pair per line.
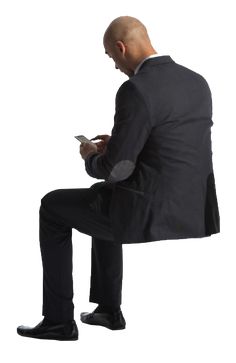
126, 40
127, 29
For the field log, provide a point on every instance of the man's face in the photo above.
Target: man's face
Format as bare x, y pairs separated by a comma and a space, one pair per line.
116, 55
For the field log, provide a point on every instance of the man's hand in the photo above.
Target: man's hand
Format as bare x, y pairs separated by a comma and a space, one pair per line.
102, 145
86, 148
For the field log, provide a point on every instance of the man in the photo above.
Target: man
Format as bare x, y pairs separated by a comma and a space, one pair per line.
158, 182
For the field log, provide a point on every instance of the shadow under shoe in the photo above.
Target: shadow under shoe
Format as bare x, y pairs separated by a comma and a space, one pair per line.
45, 330
111, 320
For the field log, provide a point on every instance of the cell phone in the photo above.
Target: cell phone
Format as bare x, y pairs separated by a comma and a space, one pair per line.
82, 138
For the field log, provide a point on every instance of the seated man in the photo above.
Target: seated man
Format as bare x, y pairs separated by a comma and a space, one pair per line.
158, 182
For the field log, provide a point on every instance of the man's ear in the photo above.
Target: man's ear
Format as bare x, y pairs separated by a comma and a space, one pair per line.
121, 46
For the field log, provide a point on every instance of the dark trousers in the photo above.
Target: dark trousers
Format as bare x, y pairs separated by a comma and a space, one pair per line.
60, 211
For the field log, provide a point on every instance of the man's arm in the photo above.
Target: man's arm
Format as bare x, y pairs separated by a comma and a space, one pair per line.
132, 127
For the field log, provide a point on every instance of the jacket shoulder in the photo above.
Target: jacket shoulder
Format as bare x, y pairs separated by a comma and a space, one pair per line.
193, 74
130, 90
127, 87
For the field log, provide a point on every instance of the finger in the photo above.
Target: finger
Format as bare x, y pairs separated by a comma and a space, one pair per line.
98, 137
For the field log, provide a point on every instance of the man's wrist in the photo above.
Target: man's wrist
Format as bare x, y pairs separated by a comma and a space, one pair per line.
90, 154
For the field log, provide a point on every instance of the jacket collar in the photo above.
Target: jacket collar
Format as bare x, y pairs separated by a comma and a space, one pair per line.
139, 65
155, 61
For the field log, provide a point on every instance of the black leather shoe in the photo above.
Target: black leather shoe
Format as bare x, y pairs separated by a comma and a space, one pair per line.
44, 330
113, 321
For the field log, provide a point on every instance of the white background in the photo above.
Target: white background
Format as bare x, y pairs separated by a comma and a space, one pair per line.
56, 82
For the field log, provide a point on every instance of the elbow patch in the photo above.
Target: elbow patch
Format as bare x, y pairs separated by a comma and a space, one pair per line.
121, 170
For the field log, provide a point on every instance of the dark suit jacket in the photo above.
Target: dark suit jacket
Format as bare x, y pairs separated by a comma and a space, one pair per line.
157, 168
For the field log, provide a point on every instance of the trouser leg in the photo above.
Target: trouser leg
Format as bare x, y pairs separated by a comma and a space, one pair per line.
56, 252
60, 211
106, 272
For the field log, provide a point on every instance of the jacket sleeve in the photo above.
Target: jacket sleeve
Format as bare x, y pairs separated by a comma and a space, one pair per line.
132, 127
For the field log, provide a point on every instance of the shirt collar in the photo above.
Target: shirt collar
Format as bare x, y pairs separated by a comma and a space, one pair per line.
139, 65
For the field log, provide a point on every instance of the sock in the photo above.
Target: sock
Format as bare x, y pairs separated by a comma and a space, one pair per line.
106, 308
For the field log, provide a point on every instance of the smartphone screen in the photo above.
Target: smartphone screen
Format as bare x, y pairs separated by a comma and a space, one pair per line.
82, 138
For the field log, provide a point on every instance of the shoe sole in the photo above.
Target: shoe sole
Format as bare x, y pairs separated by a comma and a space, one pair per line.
48, 336
105, 326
